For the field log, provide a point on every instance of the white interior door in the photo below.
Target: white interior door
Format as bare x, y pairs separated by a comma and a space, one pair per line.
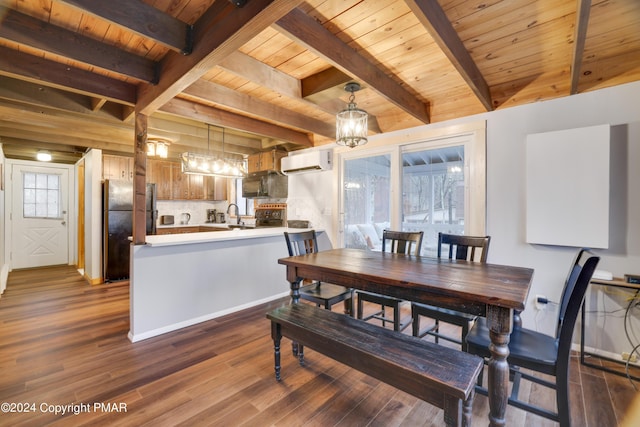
39, 216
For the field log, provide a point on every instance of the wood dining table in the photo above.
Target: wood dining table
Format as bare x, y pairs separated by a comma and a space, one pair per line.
489, 290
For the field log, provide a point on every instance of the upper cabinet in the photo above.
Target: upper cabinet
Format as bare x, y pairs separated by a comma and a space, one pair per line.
117, 167
267, 161
172, 184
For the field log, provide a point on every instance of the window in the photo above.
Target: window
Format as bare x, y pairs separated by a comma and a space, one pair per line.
366, 198
431, 182
246, 205
433, 195
41, 197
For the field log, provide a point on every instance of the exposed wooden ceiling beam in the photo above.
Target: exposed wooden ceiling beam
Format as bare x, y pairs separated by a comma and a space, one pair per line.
25, 150
219, 32
44, 138
322, 86
437, 24
258, 72
141, 18
309, 33
20, 28
35, 94
227, 119
61, 76
221, 95
580, 34
262, 74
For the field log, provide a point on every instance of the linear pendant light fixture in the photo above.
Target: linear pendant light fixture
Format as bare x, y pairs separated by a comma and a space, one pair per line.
352, 122
212, 165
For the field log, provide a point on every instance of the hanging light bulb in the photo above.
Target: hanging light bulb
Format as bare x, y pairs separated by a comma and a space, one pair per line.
207, 164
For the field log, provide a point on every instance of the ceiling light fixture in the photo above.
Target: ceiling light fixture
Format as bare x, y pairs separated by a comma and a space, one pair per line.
43, 156
157, 147
351, 123
214, 165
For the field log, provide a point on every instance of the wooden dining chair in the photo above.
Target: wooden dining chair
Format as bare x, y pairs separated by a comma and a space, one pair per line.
402, 242
472, 248
540, 352
322, 294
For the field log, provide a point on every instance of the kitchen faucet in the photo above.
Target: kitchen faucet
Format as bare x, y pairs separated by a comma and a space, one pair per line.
237, 211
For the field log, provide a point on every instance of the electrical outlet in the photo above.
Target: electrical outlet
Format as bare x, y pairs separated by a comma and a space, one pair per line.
630, 357
541, 302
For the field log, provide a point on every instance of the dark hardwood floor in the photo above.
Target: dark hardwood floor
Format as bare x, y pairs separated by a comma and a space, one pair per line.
64, 346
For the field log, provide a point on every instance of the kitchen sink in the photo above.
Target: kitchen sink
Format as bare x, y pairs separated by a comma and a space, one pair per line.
240, 227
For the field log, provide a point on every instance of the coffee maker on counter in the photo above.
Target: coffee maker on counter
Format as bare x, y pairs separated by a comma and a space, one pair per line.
211, 215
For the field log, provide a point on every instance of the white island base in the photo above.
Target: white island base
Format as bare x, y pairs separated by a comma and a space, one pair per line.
183, 279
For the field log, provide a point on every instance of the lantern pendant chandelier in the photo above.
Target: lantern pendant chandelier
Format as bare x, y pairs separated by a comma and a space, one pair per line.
213, 165
351, 123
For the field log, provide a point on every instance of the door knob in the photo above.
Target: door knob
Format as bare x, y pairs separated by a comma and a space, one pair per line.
64, 222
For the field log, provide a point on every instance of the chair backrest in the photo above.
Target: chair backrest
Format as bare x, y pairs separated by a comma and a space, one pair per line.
301, 243
572, 298
402, 242
462, 244
569, 286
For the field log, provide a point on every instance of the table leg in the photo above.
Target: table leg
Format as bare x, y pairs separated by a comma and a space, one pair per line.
500, 323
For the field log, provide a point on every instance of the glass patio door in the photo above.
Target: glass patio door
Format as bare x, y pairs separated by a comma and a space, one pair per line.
366, 201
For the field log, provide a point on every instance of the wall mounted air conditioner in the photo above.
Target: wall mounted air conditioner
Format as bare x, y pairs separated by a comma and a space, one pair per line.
313, 161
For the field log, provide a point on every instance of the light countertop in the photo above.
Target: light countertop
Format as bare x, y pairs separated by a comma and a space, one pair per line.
217, 236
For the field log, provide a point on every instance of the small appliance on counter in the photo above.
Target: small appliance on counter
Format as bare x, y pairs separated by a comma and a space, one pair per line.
221, 218
185, 218
166, 219
211, 215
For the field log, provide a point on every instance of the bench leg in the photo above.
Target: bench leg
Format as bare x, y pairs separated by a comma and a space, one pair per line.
453, 416
277, 337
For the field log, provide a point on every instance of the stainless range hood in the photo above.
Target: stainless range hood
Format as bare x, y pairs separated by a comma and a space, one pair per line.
265, 185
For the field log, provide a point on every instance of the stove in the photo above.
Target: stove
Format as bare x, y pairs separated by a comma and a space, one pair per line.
271, 215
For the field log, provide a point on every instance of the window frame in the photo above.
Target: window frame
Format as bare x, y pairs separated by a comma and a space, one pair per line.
471, 135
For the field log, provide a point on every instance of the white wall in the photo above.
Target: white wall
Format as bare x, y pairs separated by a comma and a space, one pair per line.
4, 263
310, 195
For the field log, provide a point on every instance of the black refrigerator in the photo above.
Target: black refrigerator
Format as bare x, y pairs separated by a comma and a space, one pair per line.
118, 225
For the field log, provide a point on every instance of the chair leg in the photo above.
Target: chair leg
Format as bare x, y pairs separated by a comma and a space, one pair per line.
384, 315
465, 331
562, 397
415, 322
396, 317
348, 306
437, 329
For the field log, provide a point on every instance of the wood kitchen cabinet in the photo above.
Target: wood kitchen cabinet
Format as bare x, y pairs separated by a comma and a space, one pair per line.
266, 161
172, 184
117, 167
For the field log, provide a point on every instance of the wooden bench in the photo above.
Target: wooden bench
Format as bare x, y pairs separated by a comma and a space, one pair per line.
439, 375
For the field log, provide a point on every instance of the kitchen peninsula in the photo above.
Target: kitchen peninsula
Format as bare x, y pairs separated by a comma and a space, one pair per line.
178, 280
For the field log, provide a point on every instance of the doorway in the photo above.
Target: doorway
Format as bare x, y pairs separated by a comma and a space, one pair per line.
39, 215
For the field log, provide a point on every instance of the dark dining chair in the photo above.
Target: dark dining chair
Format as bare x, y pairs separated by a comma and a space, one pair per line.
469, 248
322, 294
539, 352
402, 242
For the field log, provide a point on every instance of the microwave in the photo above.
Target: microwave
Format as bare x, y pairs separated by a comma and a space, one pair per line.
268, 185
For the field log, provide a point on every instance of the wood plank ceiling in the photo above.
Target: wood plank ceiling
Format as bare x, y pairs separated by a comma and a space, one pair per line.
271, 72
